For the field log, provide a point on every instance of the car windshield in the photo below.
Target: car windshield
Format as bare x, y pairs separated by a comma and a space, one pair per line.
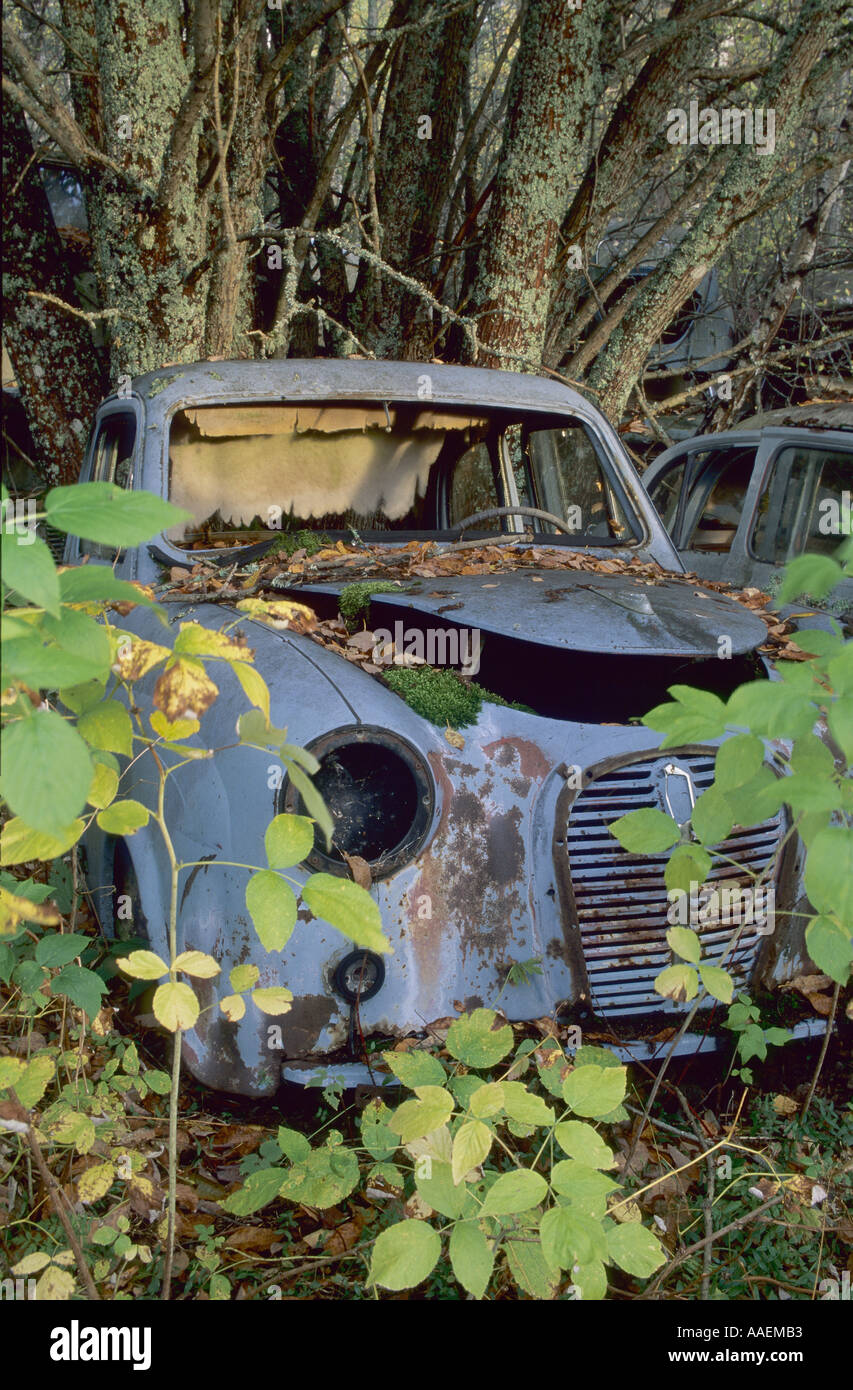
387, 471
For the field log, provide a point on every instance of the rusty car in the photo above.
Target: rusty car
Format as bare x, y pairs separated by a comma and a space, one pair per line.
486, 840
742, 503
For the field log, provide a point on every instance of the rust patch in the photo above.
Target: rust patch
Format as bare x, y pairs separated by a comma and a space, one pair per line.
303, 1023
532, 760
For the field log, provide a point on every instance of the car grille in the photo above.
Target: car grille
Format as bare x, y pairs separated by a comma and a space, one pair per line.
621, 898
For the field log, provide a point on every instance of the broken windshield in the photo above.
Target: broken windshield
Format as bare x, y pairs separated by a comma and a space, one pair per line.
386, 471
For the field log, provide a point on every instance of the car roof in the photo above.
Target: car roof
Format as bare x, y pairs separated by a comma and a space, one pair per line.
293, 378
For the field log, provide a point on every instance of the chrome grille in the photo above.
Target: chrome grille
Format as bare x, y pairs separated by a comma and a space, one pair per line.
621, 898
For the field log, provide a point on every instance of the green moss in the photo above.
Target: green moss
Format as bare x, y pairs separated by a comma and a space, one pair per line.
442, 697
291, 541
355, 598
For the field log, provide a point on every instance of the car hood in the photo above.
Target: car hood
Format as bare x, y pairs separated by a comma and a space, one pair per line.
576, 611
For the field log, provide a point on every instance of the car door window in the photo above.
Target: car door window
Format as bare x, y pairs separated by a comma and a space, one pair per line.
667, 490
805, 504
112, 463
717, 496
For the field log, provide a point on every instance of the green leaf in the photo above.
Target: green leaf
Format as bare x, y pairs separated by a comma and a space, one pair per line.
348, 908
738, 759
471, 1145
274, 1000
288, 840
89, 583
646, 832
830, 948
54, 949
416, 1118
404, 1255
254, 686
46, 666
530, 1270
83, 987
569, 1237
840, 719
30, 570
47, 771
688, 865
80, 636
103, 787
159, 1082
581, 1141
590, 1279
123, 817
109, 515
476, 1040
441, 1193
416, 1068
712, 818
684, 943
82, 697
584, 1186
472, 1257
829, 873
293, 1144
552, 1066
260, 1188
524, 1107
486, 1100
31, 1086
815, 575
595, 1091
272, 906
243, 977
108, 726
513, 1192
717, 982
677, 982
634, 1249
314, 802
323, 1179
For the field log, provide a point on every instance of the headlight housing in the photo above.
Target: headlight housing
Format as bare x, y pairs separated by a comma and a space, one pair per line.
380, 795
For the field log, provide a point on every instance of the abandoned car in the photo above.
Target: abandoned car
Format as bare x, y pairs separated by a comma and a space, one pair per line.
742, 503
533, 560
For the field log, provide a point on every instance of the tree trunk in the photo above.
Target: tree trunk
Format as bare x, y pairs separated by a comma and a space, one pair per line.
745, 174
553, 83
51, 350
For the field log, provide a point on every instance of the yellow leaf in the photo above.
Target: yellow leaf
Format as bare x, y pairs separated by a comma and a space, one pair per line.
134, 657
471, 1144
175, 1006
104, 787
195, 640
184, 690
254, 686
31, 1264
19, 843
784, 1105
95, 1182
454, 738
273, 1001
14, 909
233, 1006
279, 613
55, 1285
143, 965
197, 963
182, 728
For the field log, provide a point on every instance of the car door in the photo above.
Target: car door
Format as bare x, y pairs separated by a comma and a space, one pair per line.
803, 504
702, 491
112, 457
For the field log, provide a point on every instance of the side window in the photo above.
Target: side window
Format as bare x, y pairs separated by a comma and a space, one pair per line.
805, 504
666, 492
113, 463
570, 482
717, 491
472, 487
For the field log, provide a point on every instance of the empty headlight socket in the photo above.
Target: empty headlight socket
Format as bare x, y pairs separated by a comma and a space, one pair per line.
380, 794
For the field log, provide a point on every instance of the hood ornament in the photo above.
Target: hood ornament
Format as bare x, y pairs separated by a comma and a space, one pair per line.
672, 772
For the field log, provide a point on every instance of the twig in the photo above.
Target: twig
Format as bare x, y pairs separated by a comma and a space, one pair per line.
823, 1051
706, 1240
90, 318
51, 1186
708, 1202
